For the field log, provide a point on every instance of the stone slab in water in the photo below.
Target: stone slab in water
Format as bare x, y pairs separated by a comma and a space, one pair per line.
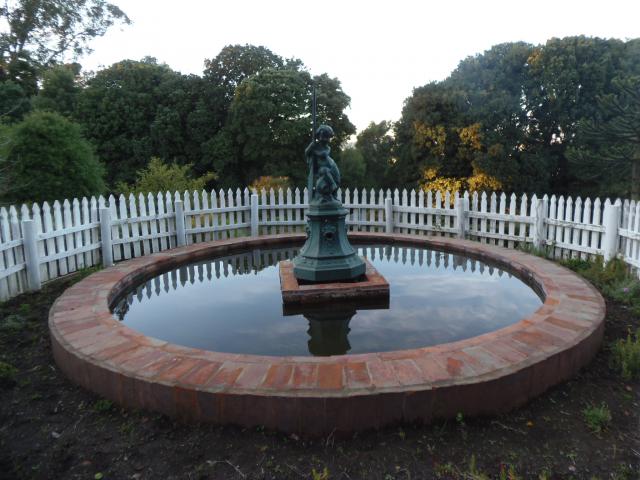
372, 286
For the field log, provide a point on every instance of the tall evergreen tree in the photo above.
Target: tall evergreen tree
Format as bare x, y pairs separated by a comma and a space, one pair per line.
610, 152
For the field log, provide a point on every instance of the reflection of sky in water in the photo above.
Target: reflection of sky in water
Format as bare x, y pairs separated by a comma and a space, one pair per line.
226, 305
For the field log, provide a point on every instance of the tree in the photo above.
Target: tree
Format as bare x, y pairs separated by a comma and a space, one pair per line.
117, 110
375, 144
187, 117
495, 88
41, 32
512, 114
610, 152
60, 90
135, 110
46, 158
353, 168
269, 125
565, 78
14, 104
234, 63
428, 135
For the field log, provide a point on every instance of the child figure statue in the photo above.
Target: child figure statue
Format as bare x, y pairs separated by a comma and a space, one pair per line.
324, 176
327, 255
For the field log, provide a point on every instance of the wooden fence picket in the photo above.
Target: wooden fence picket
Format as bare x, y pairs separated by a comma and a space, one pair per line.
124, 226
224, 222
206, 218
523, 213
195, 220
171, 220
162, 222
8, 284
493, 209
153, 224
272, 210
18, 249
298, 211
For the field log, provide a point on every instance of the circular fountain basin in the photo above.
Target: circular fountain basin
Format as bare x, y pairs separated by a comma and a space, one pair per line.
234, 304
469, 371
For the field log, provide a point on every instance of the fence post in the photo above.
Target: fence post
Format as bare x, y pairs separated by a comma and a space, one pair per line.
181, 235
30, 243
105, 237
611, 224
462, 213
539, 224
388, 215
254, 215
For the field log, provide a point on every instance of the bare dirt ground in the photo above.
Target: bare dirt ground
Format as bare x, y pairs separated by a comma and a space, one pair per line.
51, 429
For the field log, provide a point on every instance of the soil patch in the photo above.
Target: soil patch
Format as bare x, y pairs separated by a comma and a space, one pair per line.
51, 429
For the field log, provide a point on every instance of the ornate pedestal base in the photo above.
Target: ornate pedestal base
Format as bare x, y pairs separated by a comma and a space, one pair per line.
371, 292
327, 256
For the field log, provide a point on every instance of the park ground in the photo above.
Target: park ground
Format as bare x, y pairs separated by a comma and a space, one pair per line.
586, 428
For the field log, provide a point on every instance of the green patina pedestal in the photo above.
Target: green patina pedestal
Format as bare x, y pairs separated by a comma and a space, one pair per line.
327, 255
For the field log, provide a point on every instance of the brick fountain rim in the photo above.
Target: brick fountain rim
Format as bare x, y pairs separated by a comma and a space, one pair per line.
488, 374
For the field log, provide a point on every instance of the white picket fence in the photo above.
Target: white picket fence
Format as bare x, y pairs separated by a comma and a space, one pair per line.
44, 242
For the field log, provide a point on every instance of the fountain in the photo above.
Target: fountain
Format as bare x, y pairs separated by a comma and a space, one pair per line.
313, 339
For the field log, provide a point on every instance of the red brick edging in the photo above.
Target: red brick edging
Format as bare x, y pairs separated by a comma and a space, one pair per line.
487, 374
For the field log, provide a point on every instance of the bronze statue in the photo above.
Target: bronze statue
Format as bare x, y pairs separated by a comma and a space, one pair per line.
324, 175
327, 255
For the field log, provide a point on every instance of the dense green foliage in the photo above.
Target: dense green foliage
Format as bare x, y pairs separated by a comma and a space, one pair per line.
611, 140
375, 143
559, 117
268, 126
123, 110
59, 91
353, 168
14, 104
45, 157
517, 112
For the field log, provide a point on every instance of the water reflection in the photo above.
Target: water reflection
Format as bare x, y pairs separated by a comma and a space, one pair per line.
329, 327
233, 304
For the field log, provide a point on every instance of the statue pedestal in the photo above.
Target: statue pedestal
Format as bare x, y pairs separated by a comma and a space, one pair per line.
371, 291
327, 255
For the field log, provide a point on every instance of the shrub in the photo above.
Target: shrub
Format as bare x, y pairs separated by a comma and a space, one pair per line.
625, 291
103, 405
46, 158
601, 275
479, 182
12, 324
161, 177
626, 356
269, 182
597, 418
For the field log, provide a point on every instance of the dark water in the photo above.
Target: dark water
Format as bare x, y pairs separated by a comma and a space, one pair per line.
233, 304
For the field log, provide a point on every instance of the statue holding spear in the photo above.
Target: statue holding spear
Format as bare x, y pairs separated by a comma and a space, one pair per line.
324, 175
327, 255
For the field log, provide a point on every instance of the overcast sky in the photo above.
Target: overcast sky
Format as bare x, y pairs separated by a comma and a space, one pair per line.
380, 50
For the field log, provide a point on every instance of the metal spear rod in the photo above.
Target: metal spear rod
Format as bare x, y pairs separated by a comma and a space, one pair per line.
313, 114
